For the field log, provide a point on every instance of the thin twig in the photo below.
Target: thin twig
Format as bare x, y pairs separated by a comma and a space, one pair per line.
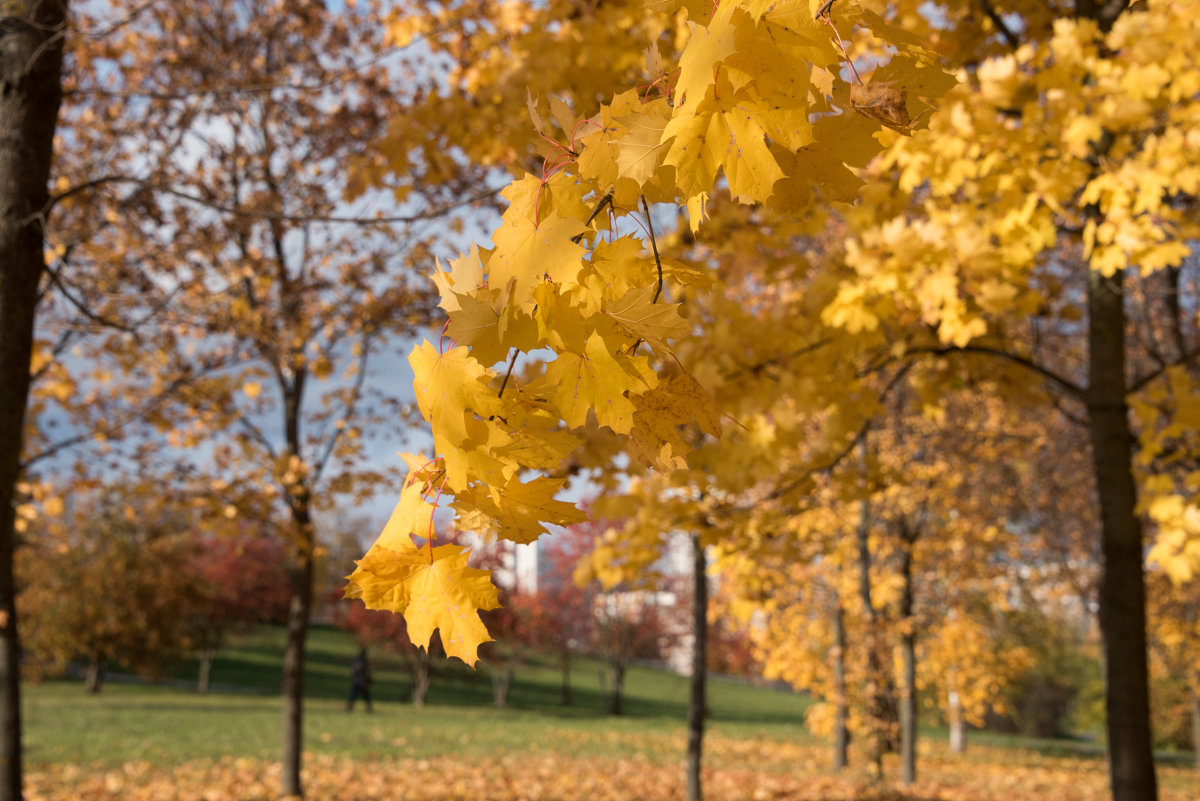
266, 215
82, 307
600, 204
990, 11
512, 362
1063, 383
654, 247
830, 465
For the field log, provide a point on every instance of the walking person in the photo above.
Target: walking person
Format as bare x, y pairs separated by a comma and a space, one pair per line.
360, 681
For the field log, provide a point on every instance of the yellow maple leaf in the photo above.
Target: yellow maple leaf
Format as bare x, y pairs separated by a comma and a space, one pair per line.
655, 438
640, 149
516, 510
707, 47
595, 381
490, 332
448, 386
527, 250
411, 516
433, 590
653, 322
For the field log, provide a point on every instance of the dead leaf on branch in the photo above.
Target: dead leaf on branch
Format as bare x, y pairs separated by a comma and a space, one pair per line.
885, 103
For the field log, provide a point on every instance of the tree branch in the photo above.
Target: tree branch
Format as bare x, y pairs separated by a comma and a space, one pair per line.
237, 211
1063, 383
1001, 26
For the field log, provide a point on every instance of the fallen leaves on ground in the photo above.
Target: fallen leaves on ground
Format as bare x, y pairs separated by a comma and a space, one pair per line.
742, 770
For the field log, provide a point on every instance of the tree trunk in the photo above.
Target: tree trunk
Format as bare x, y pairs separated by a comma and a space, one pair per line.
422, 668
299, 613
615, 705
31, 51
908, 657
204, 682
501, 684
564, 661
958, 726
696, 701
874, 688
841, 731
1122, 585
1196, 727
94, 678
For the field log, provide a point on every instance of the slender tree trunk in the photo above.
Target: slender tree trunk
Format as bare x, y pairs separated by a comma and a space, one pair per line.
908, 657
1122, 585
299, 613
422, 668
876, 707
501, 684
958, 726
1196, 727
204, 682
617, 673
841, 730
94, 679
697, 700
564, 662
31, 52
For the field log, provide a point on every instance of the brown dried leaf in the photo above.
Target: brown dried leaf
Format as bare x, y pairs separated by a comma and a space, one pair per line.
883, 102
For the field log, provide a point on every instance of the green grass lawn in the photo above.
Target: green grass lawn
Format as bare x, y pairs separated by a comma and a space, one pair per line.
168, 724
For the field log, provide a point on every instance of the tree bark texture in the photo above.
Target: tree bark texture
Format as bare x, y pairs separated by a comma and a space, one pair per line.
31, 53
1122, 584
697, 698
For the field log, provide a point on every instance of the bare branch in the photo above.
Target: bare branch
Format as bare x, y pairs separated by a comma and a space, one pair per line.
1064, 384
351, 405
654, 247
238, 211
1001, 26
599, 207
1141, 382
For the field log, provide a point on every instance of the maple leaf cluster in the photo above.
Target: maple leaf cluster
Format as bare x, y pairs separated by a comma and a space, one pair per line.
566, 276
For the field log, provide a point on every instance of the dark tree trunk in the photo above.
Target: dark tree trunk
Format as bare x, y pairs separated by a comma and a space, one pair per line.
841, 731
616, 672
204, 682
1196, 727
422, 670
94, 678
908, 657
876, 706
564, 661
696, 701
1122, 585
31, 52
501, 684
300, 575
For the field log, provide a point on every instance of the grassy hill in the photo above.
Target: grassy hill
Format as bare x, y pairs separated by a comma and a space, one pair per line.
168, 722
